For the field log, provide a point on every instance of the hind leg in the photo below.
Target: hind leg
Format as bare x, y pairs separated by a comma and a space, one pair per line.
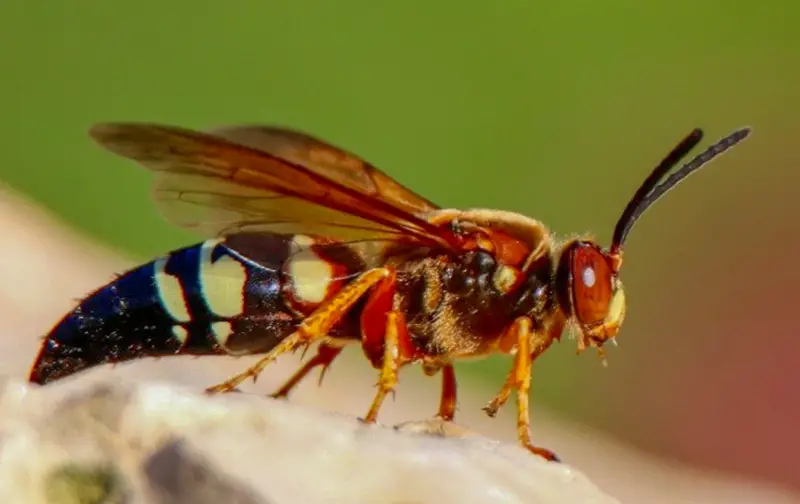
315, 327
324, 357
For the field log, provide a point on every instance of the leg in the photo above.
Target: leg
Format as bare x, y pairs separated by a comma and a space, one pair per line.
502, 396
447, 402
511, 380
520, 379
324, 357
314, 327
393, 358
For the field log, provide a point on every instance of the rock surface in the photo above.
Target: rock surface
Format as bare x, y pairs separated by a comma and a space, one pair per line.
91, 440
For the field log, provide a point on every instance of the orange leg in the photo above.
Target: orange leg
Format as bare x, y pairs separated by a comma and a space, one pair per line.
314, 327
520, 379
384, 340
393, 359
324, 357
500, 399
502, 396
447, 402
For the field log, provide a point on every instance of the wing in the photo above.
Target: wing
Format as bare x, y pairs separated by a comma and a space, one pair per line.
260, 178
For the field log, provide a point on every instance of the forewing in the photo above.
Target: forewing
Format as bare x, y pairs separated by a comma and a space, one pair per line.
328, 161
268, 179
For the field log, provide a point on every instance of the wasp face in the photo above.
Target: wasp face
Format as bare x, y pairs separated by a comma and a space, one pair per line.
590, 292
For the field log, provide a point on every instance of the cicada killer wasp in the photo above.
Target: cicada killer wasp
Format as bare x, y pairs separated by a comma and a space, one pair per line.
310, 244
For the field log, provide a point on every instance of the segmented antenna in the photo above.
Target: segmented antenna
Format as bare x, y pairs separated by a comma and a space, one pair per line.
651, 190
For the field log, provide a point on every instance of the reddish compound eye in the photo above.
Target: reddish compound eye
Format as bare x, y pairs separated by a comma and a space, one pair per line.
591, 284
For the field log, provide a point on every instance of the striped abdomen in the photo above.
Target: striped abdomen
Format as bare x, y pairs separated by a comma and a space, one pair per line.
238, 296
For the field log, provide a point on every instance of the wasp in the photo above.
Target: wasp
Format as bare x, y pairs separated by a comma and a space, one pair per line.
308, 244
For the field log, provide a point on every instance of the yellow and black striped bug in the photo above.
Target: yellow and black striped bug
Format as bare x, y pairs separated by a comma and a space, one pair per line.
309, 244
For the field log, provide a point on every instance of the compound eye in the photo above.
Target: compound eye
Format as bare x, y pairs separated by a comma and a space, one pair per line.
591, 284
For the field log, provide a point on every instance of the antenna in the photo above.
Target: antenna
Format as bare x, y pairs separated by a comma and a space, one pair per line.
651, 190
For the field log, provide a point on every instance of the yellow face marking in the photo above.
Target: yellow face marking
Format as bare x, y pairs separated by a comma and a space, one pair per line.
310, 275
170, 292
180, 333
222, 282
221, 332
616, 308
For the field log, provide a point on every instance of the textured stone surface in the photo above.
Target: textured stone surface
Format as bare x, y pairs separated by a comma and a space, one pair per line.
93, 440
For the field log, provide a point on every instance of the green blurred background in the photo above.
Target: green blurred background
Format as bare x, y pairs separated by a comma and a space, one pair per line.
557, 111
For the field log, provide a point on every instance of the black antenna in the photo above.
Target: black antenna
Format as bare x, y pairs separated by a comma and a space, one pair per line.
650, 191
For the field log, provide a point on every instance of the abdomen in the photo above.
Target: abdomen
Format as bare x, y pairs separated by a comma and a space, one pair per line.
214, 297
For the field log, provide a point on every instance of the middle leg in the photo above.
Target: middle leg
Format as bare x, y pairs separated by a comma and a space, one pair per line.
448, 400
393, 359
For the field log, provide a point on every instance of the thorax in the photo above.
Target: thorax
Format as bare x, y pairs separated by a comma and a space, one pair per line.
462, 304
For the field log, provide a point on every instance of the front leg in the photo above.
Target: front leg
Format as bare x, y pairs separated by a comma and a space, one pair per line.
500, 399
510, 384
519, 378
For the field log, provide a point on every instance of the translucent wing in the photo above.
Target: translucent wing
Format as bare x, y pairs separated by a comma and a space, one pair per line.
259, 178
329, 161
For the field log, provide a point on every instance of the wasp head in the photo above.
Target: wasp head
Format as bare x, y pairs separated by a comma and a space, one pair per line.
590, 292
587, 281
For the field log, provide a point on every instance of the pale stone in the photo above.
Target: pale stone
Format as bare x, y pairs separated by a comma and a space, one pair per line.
89, 439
